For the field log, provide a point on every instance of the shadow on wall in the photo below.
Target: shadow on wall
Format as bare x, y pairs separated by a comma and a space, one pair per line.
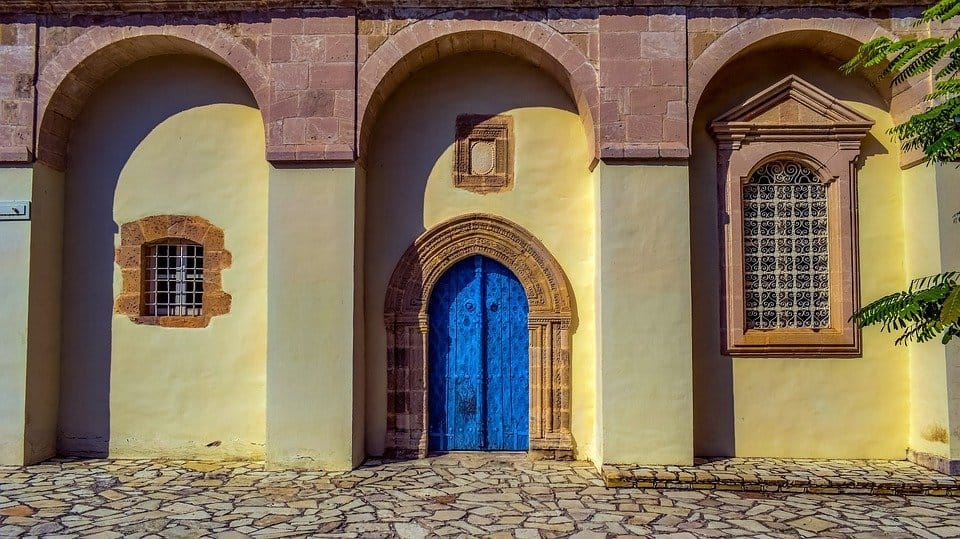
117, 118
714, 410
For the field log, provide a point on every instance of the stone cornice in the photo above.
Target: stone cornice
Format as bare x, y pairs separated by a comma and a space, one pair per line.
207, 6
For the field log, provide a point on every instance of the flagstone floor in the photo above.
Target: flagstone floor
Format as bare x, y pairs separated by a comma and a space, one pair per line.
449, 495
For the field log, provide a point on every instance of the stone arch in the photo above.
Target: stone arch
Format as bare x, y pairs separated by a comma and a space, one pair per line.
837, 26
69, 78
407, 324
426, 41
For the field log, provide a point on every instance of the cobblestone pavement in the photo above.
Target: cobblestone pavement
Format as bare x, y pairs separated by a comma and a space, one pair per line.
789, 475
466, 495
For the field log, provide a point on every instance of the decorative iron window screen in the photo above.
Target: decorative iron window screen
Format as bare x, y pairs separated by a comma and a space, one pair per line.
174, 280
786, 246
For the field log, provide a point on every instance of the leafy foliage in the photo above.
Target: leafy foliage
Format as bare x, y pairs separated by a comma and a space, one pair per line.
929, 308
935, 130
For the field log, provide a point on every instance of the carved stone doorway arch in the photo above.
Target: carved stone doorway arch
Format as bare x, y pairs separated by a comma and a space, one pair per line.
408, 325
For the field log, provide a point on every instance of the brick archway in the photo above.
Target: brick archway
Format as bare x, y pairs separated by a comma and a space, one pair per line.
427, 41
68, 79
833, 26
408, 323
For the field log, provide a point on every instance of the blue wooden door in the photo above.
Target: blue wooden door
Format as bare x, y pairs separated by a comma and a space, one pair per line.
479, 359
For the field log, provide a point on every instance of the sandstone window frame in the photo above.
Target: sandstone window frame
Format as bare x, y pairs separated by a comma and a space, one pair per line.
794, 121
138, 236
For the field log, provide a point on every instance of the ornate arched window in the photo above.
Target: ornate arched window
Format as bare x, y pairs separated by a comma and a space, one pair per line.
787, 171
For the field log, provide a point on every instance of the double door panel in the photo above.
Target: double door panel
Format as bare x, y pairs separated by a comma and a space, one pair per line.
479, 359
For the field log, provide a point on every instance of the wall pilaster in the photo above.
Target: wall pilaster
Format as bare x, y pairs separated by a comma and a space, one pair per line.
646, 368
931, 197
312, 290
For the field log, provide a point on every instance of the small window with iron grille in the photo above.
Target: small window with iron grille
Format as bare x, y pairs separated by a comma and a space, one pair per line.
173, 284
171, 268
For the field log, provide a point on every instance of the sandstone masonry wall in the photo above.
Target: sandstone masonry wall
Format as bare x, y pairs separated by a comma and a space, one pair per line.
640, 70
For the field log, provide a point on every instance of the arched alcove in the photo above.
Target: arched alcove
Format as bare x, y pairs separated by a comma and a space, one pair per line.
735, 412
168, 135
409, 173
68, 79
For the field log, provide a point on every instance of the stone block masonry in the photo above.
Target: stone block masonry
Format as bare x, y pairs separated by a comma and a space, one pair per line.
635, 72
643, 83
313, 67
18, 38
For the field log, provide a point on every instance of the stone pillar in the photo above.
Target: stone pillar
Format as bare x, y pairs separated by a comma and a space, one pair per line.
550, 387
645, 378
313, 79
30, 315
314, 361
931, 196
18, 36
407, 345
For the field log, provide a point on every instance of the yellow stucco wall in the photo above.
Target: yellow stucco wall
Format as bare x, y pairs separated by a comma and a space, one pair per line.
43, 343
299, 376
645, 381
840, 408
931, 196
929, 413
409, 188
15, 184
948, 195
796, 407
170, 135
30, 295
313, 355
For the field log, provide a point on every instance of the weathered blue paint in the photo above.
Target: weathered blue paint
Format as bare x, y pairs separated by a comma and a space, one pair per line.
479, 359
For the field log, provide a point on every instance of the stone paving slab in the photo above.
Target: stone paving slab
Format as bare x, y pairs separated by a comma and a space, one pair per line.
497, 496
887, 477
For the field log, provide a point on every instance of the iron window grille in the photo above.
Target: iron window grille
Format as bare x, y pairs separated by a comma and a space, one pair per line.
174, 279
786, 244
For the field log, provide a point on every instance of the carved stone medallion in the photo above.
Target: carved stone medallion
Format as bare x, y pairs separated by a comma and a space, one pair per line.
483, 160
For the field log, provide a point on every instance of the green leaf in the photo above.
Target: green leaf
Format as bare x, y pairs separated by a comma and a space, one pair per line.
916, 312
950, 313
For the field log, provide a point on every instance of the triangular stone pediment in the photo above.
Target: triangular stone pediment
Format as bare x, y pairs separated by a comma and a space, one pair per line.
790, 107
790, 111
793, 100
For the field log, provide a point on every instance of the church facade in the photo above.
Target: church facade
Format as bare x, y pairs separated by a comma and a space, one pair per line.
312, 233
